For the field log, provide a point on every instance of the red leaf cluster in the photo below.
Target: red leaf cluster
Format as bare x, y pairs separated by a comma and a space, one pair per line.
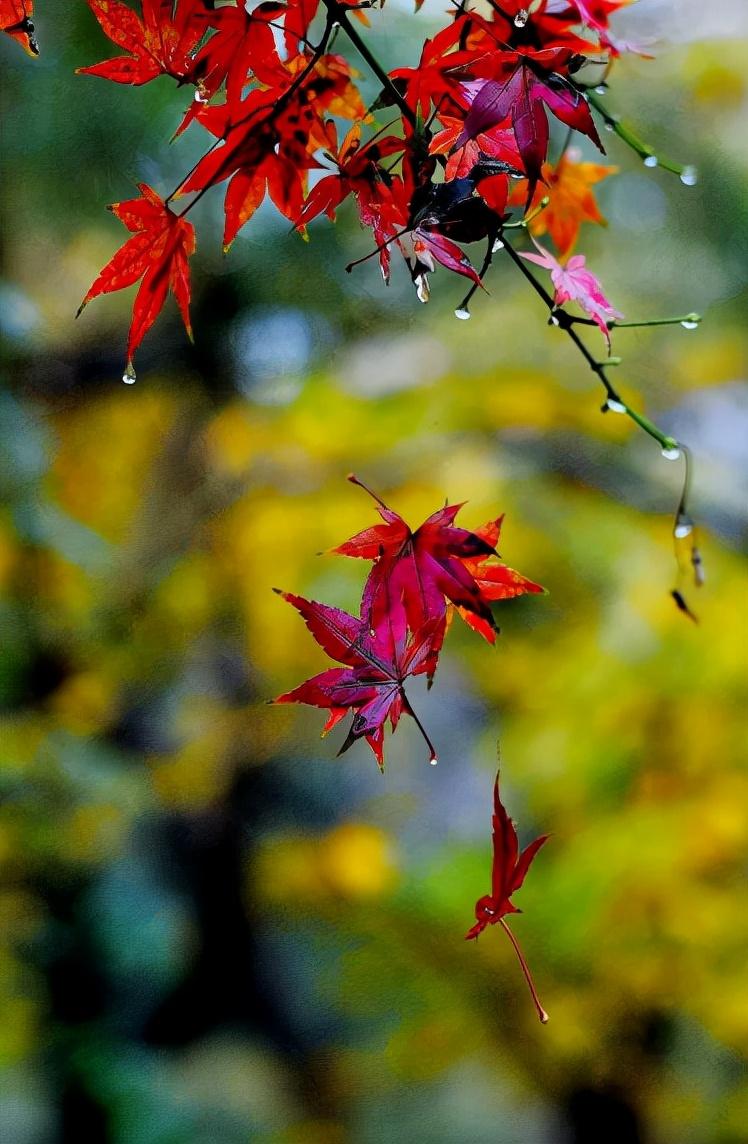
474, 112
417, 577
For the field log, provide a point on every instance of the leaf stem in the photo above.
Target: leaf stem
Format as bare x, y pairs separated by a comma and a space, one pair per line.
689, 320
433, 758
355, 481
526, 970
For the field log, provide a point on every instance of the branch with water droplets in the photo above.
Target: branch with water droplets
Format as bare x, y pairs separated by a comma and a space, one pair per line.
686, 171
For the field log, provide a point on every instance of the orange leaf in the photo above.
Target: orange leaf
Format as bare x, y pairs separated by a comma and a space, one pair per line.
572, 201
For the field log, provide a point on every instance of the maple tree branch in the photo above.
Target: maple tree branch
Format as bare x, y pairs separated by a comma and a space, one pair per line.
671, 448
526, 970
644, 150
339, 15
566, 322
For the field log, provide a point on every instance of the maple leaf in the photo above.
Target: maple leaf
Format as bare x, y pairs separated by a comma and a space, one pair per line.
158, 252
571, 200
496, 580
498, 145
423, 247
17, 22
435, 77
574, 283
415, 570
242, 42
358, 173
161, 43
508, 872
253, 158
523, 94
377, 663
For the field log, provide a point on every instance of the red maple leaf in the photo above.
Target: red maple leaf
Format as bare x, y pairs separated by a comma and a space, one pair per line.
243, 42
496, 580
162, 43
508, 872
359, 173
378, 661
158, 252
434, 80
415, 570
529, 84
16, 21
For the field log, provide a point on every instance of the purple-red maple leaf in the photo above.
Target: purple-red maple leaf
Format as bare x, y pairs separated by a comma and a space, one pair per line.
508, 872
527, 86
377, 663
415, 570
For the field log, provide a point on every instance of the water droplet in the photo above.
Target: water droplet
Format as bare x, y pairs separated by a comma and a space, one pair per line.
614, 406
200, 96
683, 528
463, 314
497, 246
601, 89
554, 320
671, 453
651, 161
521, 18
129, 376
689, 176
691, 322
608, 125
433, 760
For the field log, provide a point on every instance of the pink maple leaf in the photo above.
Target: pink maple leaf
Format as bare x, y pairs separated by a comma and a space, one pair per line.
575, 283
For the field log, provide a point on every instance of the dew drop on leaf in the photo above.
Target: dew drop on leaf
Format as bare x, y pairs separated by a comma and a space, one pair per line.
691, 322
651, 161
463, 314
689, 176
614, 406
521, 18
433, 760
671, 453
129, 376
601, 89
497, 246
683, 529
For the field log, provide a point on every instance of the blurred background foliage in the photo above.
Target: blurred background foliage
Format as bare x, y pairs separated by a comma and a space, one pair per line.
212, 930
